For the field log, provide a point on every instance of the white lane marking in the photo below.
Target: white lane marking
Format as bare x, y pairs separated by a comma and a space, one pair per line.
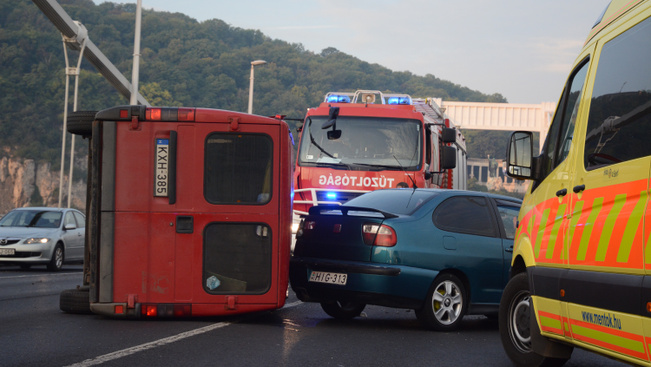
158, 343
41, 275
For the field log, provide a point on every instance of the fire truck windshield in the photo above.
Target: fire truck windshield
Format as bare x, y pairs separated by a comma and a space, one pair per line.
365, 142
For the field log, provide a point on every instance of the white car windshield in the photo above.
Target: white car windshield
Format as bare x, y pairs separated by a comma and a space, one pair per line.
32, 218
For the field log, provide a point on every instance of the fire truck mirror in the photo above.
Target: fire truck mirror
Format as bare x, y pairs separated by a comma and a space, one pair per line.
449, 135
448, 158
334, 134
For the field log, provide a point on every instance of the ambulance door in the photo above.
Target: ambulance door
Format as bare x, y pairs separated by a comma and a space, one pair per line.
551, 196
609, 196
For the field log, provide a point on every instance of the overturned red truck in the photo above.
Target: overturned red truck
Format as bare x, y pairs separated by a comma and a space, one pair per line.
189, 213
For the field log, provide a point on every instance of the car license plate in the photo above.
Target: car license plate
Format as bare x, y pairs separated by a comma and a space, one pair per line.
329, 278
7, 251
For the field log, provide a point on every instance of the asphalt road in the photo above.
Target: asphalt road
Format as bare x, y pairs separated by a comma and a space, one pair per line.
34, 332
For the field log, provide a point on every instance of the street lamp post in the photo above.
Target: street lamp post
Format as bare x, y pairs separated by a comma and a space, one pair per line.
253, 64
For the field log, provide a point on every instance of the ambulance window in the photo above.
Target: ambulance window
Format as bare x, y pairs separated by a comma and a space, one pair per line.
619, 126
561, 133
238, 168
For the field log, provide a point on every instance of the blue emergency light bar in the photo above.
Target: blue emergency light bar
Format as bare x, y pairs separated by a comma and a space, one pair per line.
331, 195
338, 98
399, 100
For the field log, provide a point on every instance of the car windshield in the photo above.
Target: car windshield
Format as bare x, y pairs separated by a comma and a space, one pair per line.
32, 218
387, 143
395, 201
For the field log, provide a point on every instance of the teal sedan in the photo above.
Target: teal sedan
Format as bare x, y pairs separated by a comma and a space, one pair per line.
442, 253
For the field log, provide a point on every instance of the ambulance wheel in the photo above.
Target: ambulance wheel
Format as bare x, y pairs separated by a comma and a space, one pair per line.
343, 309
75, 301
515, 328
81, 122
445, 304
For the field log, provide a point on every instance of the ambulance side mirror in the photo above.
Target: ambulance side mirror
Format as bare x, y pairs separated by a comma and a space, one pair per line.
519, 155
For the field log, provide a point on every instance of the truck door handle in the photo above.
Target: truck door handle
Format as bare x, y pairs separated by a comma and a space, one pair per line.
578, 188
561, 192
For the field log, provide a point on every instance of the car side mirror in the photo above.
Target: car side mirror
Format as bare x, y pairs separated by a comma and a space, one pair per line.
69, 227
519, 155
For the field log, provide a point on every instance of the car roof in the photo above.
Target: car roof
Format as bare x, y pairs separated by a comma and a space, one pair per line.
447, 192
44, 208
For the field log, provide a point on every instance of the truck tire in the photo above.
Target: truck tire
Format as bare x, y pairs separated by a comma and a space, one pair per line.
81, 122
75, 301
515, 326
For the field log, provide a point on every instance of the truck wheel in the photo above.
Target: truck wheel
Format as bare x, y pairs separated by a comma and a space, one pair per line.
515, 328
445, 304
58, 256
81, 122
342, 309
75, 301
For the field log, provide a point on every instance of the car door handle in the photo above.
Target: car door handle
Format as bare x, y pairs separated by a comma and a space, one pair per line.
561, 192
578, 188
510, 249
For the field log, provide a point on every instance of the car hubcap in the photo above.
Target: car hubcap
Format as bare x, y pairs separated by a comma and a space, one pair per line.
447, 303
59, 257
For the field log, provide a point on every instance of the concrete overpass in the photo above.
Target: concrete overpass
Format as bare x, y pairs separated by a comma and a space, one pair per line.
501, 116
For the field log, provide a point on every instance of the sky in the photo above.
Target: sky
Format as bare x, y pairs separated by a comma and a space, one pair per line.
521, 49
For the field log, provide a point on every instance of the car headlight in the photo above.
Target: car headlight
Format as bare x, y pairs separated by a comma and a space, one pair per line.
36, 240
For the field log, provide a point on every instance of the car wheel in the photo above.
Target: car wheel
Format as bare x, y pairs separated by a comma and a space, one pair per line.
515, 329
445, 305
57, 258
81, 122
75, 301
343, 309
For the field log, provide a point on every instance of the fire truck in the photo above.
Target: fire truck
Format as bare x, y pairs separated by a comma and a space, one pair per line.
358, 142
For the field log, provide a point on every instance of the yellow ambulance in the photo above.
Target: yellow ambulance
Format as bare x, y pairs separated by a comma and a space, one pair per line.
581, 268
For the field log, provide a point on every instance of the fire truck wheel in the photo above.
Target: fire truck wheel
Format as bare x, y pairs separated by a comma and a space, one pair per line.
343, 309
445, 304
75, 301
515, 326
81, 122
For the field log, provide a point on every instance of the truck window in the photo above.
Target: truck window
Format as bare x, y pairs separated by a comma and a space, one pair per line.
237, 258
559, 140
619, 126
238, 168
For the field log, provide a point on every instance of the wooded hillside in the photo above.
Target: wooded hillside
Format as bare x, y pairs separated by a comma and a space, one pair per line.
184, 62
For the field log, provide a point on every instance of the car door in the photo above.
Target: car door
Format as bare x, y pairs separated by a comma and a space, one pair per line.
73, 237
472, 243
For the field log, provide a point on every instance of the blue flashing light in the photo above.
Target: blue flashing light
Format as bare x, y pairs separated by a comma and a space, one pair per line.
399, 100
331, 195
338, 98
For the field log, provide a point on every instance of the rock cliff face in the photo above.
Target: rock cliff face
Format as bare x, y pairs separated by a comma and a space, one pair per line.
24, 182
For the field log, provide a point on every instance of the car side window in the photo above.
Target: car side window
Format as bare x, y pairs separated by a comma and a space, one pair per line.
81, 221
70, 219
508, 218
619, 126
559, 140
465, 214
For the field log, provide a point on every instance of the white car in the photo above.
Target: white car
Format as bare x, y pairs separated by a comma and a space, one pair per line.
48, 236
